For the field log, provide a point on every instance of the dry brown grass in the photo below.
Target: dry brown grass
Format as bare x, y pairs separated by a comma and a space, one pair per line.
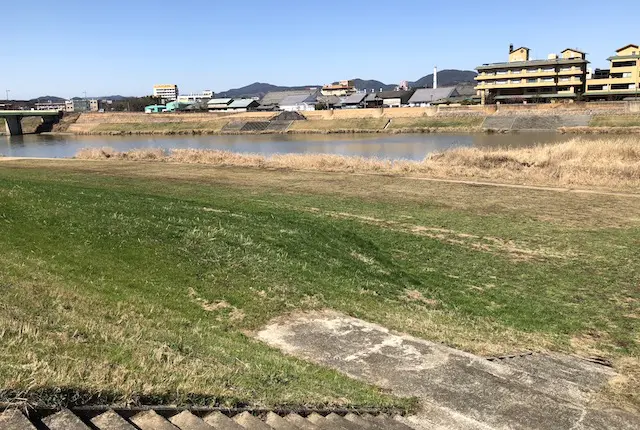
610, 163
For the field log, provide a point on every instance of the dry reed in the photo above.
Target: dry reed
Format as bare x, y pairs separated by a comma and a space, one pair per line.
610, 163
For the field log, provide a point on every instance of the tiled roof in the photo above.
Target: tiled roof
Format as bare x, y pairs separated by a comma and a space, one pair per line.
427, 95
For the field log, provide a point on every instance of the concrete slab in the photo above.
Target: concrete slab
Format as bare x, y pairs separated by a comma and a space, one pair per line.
13, 419
150, 420
458, 390
112, 421
185, 420
64, 420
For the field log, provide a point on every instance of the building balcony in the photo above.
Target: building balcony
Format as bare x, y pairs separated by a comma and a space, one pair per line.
572, 71
612, 81
484, 76
538, 83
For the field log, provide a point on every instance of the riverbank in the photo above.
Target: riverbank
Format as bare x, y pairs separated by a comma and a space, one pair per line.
607, 119
140, 281
612, 163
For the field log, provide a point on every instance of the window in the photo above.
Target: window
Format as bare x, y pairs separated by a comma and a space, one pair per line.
515, 72
532, 80
516, 81
548, 80
624, 64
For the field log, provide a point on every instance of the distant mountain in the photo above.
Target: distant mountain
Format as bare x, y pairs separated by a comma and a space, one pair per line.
445, 78
371, 84
55, 99
44, 99
259, 89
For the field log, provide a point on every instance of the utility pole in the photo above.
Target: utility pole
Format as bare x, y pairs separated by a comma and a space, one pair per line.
7, 91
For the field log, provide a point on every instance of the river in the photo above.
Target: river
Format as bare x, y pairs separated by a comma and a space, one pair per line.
391, 146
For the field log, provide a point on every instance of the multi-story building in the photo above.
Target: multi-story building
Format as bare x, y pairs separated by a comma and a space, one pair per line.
204, 96
166, 92
522, 79
341, 89
49, 105
77, 105
621, 80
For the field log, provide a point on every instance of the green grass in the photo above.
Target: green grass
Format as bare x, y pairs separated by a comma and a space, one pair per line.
135, 279
615, 121
340, 124
437, 122
160, 127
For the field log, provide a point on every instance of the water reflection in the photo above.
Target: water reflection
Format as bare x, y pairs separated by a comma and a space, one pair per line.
399, 146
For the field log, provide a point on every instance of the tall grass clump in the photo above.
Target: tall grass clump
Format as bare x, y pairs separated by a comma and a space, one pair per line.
613, 162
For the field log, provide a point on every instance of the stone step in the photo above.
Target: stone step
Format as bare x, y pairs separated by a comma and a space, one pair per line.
250, 422
64, 420
302, 423
220, 421
150, 420
185, 420
13, 419
278, 423
110, 420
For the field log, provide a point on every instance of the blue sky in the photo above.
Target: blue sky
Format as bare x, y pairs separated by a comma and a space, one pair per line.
66, 47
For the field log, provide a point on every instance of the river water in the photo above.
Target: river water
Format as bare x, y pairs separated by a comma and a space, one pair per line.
394, 146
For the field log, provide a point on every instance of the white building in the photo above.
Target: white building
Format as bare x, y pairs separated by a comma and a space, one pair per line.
49, 105
299, 103
166, 92
196, 97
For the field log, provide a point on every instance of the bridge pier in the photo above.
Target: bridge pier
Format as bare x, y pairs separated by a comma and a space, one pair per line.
14, 125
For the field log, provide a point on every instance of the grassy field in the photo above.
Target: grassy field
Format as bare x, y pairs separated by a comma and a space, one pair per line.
467, 122
611, 163
127, 280
333, 125
615, 121
161, 127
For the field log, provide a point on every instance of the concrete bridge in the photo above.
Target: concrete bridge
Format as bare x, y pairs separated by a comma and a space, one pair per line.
13, 118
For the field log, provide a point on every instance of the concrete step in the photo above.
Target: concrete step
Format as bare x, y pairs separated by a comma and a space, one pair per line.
110, 420
185, 420
220, 421
278, 423
302, 423
150, 420
361, 421
64, 420
324, 423
250, 422
13, 419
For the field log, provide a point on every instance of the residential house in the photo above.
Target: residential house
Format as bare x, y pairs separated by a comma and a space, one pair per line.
299, 103
217, 105
428, 96
272, 100
389, 99
522, 79
621, 80
243, 105
354, 101
331, 102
